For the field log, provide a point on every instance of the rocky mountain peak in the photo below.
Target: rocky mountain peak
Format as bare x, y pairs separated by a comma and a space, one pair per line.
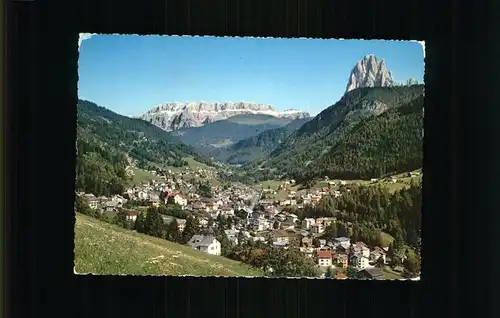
369, 72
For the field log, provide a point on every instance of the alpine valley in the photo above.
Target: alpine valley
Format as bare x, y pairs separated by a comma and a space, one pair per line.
268, 173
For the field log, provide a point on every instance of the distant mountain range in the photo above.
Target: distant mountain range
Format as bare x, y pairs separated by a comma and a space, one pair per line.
174, 116
372, 130
258, 146
224, 133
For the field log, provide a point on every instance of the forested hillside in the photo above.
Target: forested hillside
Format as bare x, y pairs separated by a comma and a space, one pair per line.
308, 146
98, 170
371, 210
257, 147
228, 131
387, 144
107, 142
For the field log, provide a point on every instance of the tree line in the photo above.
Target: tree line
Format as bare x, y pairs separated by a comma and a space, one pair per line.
98, 170
140, 139
352, 147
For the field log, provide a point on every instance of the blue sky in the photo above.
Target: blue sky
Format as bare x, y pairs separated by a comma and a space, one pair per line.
130, 74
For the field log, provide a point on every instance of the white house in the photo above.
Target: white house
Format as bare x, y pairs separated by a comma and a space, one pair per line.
376, 254
226, 210
153, 197
111, 205
363, 248
317, 228
359, 261
203, 222
259, 224
142, 195
307, 223
291, 218
285, 202
205, 243
257, 238
92, 200
180, 200
232, 236
181, 224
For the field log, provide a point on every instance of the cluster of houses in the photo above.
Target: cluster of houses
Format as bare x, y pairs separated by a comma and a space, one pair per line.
111, 204
282, 228
267, 223
167, 181
103, 203
300, 198
289, 231
393, 179
205, 243
334, 254
340, 253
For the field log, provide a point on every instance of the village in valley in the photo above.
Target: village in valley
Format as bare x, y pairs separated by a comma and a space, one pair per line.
301, 168
259, 216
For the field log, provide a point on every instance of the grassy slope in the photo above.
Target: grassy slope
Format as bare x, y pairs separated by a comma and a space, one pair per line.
192, 164
402, 181
102, 248
387, 239
139, 138
142, 176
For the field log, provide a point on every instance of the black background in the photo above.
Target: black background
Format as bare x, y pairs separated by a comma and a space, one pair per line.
460, 165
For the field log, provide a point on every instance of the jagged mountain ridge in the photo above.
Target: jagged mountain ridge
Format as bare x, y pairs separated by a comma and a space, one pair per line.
369, 72
174, 116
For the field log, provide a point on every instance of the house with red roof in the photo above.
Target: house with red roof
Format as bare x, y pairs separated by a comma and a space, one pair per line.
131, 215
340, 276
324, 257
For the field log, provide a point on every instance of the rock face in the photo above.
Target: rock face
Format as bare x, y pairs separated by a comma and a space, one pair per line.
173, 116
369, 72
